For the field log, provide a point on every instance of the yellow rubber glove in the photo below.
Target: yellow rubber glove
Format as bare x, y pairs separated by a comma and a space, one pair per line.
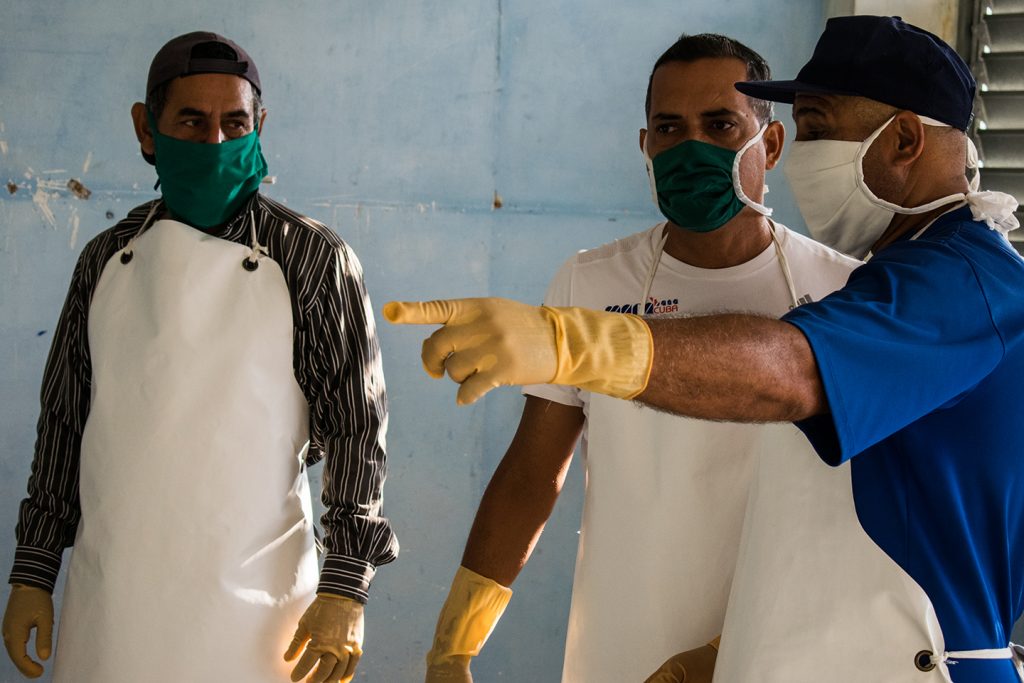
332, 631
491, 342
692, 666
28, 608
472, 610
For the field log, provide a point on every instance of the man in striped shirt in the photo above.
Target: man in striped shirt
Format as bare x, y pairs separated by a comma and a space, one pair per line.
201, 119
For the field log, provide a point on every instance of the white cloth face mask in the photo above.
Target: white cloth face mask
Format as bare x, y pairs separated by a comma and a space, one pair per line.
841, 211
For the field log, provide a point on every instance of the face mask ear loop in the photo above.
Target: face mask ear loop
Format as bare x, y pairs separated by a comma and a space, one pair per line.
895, 208
737, 186
973, 164
650, 173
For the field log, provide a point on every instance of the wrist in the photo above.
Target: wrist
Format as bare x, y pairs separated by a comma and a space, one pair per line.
608, 353
472, 610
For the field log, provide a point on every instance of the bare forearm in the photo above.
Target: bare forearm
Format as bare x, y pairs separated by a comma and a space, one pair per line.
508, 524
733, 367
523, 490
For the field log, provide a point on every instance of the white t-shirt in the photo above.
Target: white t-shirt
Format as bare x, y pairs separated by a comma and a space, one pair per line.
664, 504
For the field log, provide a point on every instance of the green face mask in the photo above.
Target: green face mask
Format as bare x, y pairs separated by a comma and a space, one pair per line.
204, 185
696, 184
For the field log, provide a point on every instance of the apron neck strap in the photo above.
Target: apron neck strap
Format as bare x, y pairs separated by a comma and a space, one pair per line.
660, 249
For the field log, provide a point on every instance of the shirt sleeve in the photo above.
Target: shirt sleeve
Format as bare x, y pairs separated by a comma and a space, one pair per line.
343, 379
48, 517
559, 294
910, 333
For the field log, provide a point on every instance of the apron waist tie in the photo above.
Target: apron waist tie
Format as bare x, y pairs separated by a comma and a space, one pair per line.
1012, 651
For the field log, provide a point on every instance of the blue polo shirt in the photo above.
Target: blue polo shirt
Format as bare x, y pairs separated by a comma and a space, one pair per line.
922, 360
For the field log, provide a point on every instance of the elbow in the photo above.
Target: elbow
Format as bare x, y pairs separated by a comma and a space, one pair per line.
805, 399
804, 391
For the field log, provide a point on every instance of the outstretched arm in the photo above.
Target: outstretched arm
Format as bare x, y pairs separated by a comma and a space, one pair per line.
733, 367
724, 367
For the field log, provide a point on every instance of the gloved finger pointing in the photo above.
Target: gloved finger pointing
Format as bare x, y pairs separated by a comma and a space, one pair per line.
305, 665
437, 312
325, 669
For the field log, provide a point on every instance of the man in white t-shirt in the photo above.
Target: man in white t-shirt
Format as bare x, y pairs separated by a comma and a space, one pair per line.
660, 532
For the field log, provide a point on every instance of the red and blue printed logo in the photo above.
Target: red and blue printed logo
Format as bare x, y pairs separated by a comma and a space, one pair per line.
653, 307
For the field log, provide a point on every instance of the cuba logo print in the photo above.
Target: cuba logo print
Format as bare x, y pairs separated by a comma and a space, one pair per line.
652, 307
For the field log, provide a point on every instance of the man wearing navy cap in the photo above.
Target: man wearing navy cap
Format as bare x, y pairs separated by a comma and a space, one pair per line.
904, 560
212, 345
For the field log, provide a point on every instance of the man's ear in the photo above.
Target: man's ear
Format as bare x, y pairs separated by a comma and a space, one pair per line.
259, 123
774, 140
142, 130
643, 138
905, 139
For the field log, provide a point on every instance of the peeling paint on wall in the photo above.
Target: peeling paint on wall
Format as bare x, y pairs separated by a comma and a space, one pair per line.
74, 221
79, 190
41, 198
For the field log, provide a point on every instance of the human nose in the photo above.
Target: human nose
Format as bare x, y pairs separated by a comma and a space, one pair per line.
214, 136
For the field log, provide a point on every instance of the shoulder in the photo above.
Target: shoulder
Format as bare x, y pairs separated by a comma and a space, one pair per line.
623, 248
595, 272
316, 262
802, 246
296, 226
104, 245
974, 241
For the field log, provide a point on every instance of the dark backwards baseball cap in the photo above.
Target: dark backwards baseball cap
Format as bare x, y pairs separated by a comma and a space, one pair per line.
215, 55
884, 59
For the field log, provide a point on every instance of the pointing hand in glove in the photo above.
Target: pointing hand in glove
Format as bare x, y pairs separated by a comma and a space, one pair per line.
491, 342
28, 608
332, 632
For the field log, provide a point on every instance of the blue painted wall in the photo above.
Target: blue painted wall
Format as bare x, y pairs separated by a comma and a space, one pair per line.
395, 121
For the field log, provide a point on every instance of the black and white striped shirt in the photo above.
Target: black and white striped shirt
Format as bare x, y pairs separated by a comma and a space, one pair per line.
337, 364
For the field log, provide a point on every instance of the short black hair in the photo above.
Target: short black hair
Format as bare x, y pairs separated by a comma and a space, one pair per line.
711, 45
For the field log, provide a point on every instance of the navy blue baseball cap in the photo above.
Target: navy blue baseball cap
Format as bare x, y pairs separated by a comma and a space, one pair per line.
179, 57
884, 59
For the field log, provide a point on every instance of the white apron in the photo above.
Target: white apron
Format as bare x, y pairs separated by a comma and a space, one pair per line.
194, 558
814, 598
644, 592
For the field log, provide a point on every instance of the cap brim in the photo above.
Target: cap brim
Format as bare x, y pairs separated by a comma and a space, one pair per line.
785, 91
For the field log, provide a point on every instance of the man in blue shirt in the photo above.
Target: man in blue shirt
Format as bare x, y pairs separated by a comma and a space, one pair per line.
910, 373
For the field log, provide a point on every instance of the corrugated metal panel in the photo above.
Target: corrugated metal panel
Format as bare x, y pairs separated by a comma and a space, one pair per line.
1006, 32
997, 59
1003, 149
1005, 72
1002, 110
